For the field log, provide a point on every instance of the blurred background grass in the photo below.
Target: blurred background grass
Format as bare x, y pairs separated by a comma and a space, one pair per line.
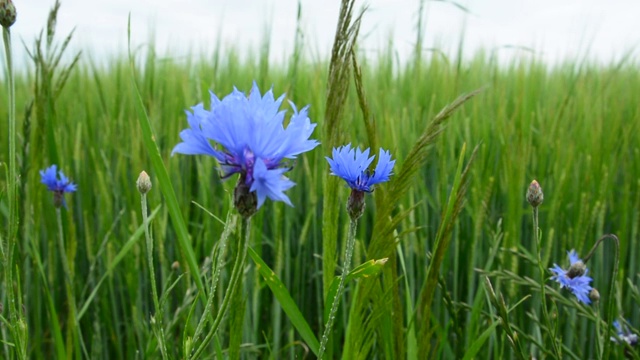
574, 127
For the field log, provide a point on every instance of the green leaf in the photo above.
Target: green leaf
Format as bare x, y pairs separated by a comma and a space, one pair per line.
288, 305
365, 270
477, 344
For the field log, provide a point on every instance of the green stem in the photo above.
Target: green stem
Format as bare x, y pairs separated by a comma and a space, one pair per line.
545, 313
236, 273
228, 227
351, 240
152, 277
13, 202
612, 286
13, 179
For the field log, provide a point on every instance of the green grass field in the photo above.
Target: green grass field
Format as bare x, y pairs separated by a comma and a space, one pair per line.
575, 128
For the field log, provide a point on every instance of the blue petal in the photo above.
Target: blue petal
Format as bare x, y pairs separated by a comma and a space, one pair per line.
383, 168
49, 177
573, 257
270, 183
352, 165
194, 141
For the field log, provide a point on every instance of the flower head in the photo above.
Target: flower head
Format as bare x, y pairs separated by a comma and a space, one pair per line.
624, 334
575, 278
57, 182
246, 135
352, 165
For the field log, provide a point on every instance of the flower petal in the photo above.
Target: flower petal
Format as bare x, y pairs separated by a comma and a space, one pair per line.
270, 183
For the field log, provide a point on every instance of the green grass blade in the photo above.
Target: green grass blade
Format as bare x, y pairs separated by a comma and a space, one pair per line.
55, 324
163, 179
288, 305
477, 345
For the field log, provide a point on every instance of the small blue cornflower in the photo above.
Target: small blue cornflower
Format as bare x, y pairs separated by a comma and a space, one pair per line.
246, 135
624, 334
352, 165
58, 183
575, 278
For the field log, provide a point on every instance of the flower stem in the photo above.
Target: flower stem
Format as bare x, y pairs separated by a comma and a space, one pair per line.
228, 227
612, 286
351, 240
545, 313
12, 195
236, 273
152, 277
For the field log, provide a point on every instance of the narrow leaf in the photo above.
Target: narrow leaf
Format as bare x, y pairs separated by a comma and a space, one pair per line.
288, 305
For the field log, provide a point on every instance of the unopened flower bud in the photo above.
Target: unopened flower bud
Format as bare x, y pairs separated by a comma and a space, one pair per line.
576, 269
7, 13
143, 183
356, 204
594, 295
534, 194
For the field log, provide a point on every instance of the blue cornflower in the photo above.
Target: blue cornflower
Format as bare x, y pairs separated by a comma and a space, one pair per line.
246, 135
575, 278
352, 165
57, 182
624, 334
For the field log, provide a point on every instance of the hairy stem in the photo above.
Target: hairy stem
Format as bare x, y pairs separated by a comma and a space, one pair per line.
351, 240
612, 286
152, 277
217, 267
236, 273
545, 312
7, 253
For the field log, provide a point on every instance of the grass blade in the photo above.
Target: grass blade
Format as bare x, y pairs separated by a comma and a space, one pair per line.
288, 305
163, 178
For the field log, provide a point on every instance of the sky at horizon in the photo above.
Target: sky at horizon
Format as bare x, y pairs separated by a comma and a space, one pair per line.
555, 31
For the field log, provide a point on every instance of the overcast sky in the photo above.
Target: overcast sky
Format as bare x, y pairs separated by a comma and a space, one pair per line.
555, 29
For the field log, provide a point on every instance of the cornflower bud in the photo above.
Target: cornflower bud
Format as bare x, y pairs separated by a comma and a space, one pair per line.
534, 194
143, 183
7, 13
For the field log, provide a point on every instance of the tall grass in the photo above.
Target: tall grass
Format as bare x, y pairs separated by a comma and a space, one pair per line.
573, 127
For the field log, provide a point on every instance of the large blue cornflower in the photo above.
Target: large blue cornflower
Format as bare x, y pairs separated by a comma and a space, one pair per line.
247, 136
57, 182
352, 165
575, 278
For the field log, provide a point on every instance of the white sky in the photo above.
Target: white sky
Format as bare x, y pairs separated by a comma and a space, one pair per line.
556, 29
